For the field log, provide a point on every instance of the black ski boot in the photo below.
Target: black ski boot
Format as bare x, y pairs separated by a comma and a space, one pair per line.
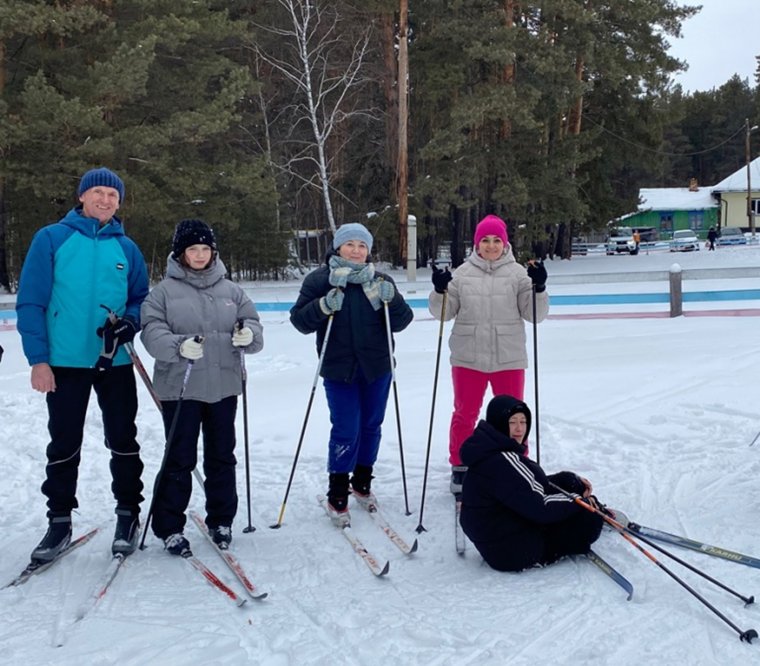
176, 544
55, 540
457, 478
337, 498
127, 532
361, 483
221, 536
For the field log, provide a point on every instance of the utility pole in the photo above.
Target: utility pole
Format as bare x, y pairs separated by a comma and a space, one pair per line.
748, 156
402, 169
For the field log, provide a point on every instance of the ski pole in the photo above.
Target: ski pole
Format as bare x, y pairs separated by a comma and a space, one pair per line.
244, 375
625, 531
395, 398
278, 524
536, 420
167, 447
137, 363
420, 527
747, 635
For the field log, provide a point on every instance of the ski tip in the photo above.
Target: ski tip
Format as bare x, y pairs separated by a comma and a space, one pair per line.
748, 635
384, 570
413, 549
260, 596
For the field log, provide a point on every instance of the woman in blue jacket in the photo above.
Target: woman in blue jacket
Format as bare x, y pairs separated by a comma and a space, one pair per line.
510, 509
357, 364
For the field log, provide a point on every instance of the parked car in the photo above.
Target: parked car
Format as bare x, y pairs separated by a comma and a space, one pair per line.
621, 240
684, 240
731, 236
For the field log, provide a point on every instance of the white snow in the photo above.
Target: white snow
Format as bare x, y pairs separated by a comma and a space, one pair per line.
658, 413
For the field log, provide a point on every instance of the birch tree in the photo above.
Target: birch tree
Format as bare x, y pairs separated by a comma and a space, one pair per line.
323, 63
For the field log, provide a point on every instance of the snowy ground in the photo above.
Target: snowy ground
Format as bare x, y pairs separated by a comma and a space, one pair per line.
659, 413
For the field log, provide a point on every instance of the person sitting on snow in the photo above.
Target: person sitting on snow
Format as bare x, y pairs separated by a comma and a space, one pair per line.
510, 510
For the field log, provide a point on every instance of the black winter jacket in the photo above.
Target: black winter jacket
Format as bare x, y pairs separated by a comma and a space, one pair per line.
358, 337
507, 502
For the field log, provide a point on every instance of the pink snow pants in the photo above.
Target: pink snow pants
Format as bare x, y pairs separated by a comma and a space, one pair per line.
469, 389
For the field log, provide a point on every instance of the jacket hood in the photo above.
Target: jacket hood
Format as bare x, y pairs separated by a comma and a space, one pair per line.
488, 266
502, 408
485, 442
199, 279
89, 226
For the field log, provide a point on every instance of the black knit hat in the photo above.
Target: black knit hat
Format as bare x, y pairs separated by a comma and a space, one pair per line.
502, 408
192, 232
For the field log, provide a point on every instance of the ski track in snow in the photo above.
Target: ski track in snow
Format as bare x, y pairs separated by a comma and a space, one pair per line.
657, 413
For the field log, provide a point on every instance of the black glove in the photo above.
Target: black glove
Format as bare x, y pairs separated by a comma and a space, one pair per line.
114, 333
537, 273
441, 279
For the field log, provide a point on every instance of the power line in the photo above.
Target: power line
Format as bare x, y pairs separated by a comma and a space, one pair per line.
663, 152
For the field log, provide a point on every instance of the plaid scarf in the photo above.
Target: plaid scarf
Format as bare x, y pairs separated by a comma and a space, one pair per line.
344, 272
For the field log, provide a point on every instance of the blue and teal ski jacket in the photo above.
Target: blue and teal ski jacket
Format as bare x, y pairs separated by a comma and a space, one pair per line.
72, 268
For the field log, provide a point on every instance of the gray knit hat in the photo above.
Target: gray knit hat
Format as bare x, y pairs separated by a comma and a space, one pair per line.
352, 231
101, 176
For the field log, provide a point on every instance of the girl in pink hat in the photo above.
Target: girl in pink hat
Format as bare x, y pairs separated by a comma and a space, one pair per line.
489, 298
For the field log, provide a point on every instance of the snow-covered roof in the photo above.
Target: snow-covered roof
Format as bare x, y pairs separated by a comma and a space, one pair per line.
675, 198
737, 181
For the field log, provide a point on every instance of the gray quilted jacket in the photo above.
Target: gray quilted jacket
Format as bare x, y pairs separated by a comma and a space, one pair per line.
189, 303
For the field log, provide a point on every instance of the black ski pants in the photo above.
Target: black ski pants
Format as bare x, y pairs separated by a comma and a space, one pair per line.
67, 408
217, 420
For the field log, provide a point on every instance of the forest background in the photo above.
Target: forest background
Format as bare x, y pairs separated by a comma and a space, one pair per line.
271, 118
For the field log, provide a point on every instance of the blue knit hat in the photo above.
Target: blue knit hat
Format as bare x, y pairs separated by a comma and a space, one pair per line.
352, 231
101, 176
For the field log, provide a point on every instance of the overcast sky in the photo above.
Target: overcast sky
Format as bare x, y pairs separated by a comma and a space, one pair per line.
720, 41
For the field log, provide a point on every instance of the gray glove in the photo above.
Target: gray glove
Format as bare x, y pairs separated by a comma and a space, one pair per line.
386, 291
332, 302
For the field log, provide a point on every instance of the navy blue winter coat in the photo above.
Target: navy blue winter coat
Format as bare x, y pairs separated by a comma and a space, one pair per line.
358, 337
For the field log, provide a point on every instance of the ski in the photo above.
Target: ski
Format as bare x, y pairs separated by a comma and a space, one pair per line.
369, 503
692, 544
611, 572
34, 568
102, 587
357, 545
213, 579
230, 560
459, 540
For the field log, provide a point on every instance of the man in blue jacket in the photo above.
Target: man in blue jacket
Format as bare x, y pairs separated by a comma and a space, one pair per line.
73, 270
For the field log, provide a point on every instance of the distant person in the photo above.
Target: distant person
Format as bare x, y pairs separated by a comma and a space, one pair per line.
356, 370
489, 297
196, 314
636, 240
712, 236
510, 511
73, 269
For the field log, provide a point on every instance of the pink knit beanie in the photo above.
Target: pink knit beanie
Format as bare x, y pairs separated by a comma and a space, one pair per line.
491, 225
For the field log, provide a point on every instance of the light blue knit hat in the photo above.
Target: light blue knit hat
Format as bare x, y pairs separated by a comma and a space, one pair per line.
352, 231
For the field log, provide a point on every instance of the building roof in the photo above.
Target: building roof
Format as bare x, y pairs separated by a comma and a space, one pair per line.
737, 181
676, 198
